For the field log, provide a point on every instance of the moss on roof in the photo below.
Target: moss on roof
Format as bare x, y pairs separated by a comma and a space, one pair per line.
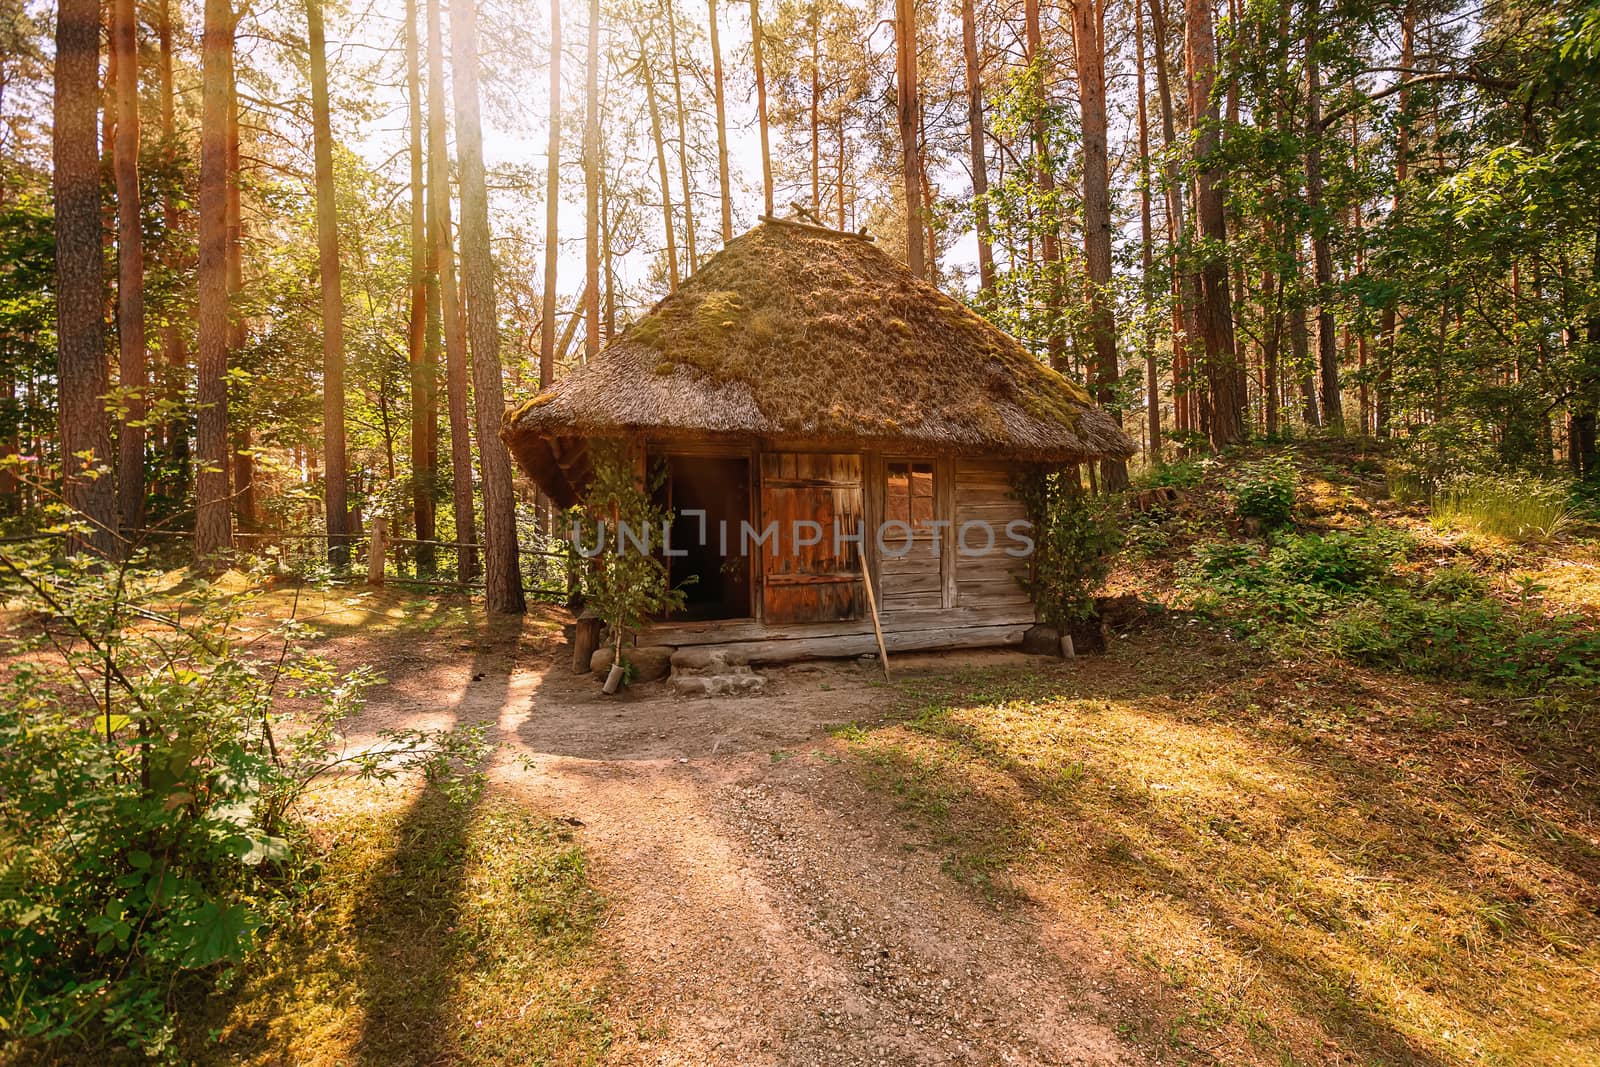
794, 329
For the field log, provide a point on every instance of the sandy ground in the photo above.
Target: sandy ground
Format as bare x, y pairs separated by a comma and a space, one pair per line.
765, 907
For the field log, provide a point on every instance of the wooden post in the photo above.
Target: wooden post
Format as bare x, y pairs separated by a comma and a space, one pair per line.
872, 603
585, 640
376, 549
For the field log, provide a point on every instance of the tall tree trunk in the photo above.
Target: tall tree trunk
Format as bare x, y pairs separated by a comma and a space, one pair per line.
424, 374
979, 158
1389, 321
1044, 176
130, 270
723, 185
690, 259
80, 331
552, 209
761, 105
213, 522
335, 473
1583, 440
1152, 377
1088, 28
905, 50
1300, 348
1321, 247
839, 171
174, 357
1185, 286
241, 447
1216, 311
816, 111
591, 183
661, 165
458, 389
502, 572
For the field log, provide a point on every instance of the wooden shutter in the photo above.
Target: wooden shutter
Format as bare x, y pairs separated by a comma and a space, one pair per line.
819, 582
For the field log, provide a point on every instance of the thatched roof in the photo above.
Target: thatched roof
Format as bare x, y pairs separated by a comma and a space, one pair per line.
796, 332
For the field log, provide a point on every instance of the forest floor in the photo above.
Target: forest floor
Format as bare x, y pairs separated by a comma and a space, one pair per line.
1188, 850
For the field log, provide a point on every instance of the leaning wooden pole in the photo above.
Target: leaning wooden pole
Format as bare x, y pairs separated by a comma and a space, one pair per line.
877, 627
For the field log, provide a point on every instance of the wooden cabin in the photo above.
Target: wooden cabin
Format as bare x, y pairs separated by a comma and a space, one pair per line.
804, 376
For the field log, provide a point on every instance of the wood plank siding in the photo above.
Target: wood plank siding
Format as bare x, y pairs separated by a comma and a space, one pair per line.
942, 593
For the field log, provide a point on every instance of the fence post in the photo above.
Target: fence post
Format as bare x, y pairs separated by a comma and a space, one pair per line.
375, 550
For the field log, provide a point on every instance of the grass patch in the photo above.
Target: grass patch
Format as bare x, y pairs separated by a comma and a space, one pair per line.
433, 933
1514, 509
1299, 893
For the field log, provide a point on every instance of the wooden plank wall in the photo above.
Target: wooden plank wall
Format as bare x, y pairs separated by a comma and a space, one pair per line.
986, 584
946, 601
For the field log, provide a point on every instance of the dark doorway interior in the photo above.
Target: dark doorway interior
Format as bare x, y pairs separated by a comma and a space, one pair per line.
719, 486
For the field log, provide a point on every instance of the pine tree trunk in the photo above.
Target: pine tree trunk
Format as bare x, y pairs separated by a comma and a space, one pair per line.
1216, 311
722, 129
458, 389
1044, 177
423, 373
690, 259
979, 158
1389, 321
816, 112
213, 522
243, 484
174, 357
1152, 377
1321, 248
1185, 286
1089, 45
761, 105
80, 330
661, 166
501, 567
905, 40
335, 472
591, 182
130, 270
552, 209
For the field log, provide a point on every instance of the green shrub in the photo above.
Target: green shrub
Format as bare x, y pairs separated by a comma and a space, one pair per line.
1264, 490
147, 783
1074, 539
1516, 508
1469, 639
1339, 593
1184, 473
1338, 562
627, 582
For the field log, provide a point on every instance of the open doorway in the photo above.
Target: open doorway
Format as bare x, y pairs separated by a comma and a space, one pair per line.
712, 546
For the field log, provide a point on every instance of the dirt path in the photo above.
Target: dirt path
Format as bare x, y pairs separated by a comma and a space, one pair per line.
766, 907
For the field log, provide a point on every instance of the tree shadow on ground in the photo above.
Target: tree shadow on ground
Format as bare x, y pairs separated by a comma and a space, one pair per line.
1304, 864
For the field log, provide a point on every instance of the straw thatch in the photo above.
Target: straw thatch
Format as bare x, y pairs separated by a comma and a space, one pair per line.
798, 332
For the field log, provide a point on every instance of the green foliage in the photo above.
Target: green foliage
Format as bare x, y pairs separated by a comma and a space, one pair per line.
147, 781
1341, 593
1264, 490
1515, 507
618, 522
1074, 540
1186, 473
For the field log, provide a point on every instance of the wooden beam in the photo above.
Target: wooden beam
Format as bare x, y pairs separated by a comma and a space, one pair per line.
767, 652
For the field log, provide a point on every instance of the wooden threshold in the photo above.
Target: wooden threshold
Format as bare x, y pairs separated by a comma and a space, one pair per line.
903, 622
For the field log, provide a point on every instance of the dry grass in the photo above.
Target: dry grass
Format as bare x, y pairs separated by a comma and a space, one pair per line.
433, 934
1324, 868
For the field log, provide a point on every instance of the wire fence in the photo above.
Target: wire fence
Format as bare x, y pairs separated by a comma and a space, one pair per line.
444, 565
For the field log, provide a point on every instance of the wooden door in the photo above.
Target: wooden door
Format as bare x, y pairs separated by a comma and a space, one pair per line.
809, 502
